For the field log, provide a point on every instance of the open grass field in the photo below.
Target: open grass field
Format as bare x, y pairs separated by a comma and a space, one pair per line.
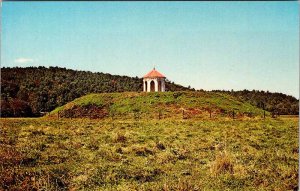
83, 154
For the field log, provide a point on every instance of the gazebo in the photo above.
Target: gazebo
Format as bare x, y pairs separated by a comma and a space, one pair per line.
154, 81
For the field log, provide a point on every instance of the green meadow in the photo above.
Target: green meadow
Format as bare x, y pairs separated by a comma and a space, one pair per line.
167, 154
149, 105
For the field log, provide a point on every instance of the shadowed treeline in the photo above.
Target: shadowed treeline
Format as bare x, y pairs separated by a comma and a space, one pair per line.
32, 91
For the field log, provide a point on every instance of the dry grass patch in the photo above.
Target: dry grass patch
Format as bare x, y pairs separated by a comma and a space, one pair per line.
223, 163
149, 155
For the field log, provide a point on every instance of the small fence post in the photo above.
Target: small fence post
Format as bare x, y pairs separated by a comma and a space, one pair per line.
233, 114
273, 114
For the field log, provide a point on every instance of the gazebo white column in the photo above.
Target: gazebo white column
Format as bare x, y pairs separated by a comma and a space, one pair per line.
148, 85
155, 85
163, 87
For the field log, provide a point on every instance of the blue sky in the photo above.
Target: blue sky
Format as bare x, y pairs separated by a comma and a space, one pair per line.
207, 45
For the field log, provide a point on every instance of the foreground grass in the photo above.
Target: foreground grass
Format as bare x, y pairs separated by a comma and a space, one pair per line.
81, 154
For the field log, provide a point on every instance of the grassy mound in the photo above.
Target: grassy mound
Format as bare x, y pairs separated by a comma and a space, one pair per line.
157, 104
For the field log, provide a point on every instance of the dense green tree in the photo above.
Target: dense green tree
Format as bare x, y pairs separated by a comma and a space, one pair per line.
273, 102
43, 89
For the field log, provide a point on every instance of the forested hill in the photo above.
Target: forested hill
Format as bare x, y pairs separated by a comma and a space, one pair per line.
278, 103
31, 90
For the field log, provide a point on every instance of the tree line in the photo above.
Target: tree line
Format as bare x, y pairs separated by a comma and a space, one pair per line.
277, 103
27, 92
33, 90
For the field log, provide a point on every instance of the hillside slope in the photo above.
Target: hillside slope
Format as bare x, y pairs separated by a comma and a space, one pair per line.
155, 105
274, 102
27, 92
43, 89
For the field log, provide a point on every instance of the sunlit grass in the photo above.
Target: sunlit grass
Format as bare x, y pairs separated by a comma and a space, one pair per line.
153, 104
85, 154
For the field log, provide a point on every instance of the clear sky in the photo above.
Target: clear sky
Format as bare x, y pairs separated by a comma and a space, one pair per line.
207, 45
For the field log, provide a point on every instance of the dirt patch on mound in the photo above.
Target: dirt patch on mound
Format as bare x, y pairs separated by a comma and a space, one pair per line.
87, 111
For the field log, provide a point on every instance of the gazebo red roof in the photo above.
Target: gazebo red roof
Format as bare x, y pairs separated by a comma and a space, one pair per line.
154, 74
